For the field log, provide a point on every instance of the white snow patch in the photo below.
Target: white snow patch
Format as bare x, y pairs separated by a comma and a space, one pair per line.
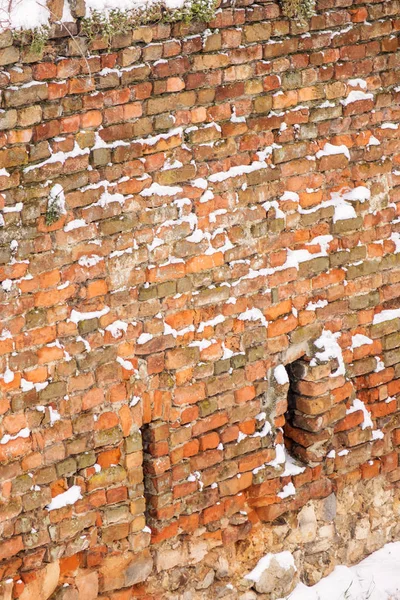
75, 224
356, 96
16, 208
389, 126
59, 156
253, 314
292, 467
359, 340
288, 490
359, 405
317, 304
89, 261
292, 196
117, 328
146, 529
327, 343
161, 190
125, 364
358, 83
27, 14
107, 198
237, 171
23, 433
331, 150
76, 316
211, 323
134, 400
386, 315
202, 344
395, 237
6, 285
266, 430
54, 415
143, 338
66, 498
284, 559
380, 365
8, 375
280, 457
377, 577
281, 375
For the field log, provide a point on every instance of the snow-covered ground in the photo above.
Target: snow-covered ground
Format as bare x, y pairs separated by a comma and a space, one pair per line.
377, 577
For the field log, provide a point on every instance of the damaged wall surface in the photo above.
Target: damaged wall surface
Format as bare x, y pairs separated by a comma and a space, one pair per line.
199, 303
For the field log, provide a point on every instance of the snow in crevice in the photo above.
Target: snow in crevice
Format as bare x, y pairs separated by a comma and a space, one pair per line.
356, 96
367, 422
312, 306
283, 460
386, 315
60, 157
288, 490
281, 375
253, 314
76, 316
126, 364
329, 348
332, 150
117, 328
144, 338
341, 202
68, 498
23, 433
359, 405
359, 340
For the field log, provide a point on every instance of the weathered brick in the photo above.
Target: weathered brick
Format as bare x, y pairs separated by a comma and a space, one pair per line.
202, 249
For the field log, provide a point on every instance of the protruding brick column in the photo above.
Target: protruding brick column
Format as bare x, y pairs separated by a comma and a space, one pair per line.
313, 409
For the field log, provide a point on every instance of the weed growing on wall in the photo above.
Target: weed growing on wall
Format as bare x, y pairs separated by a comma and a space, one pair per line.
298, 9
106, 25
121, 21
40, 36
55, 205
197, 10
36, 38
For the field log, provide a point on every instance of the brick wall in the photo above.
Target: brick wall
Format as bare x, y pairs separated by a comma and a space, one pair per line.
227, 205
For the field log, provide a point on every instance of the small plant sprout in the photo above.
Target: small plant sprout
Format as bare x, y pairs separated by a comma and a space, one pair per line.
117, 21
36, 37
106, 25
55, 204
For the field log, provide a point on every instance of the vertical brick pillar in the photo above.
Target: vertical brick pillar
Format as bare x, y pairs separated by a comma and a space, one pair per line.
312, 411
